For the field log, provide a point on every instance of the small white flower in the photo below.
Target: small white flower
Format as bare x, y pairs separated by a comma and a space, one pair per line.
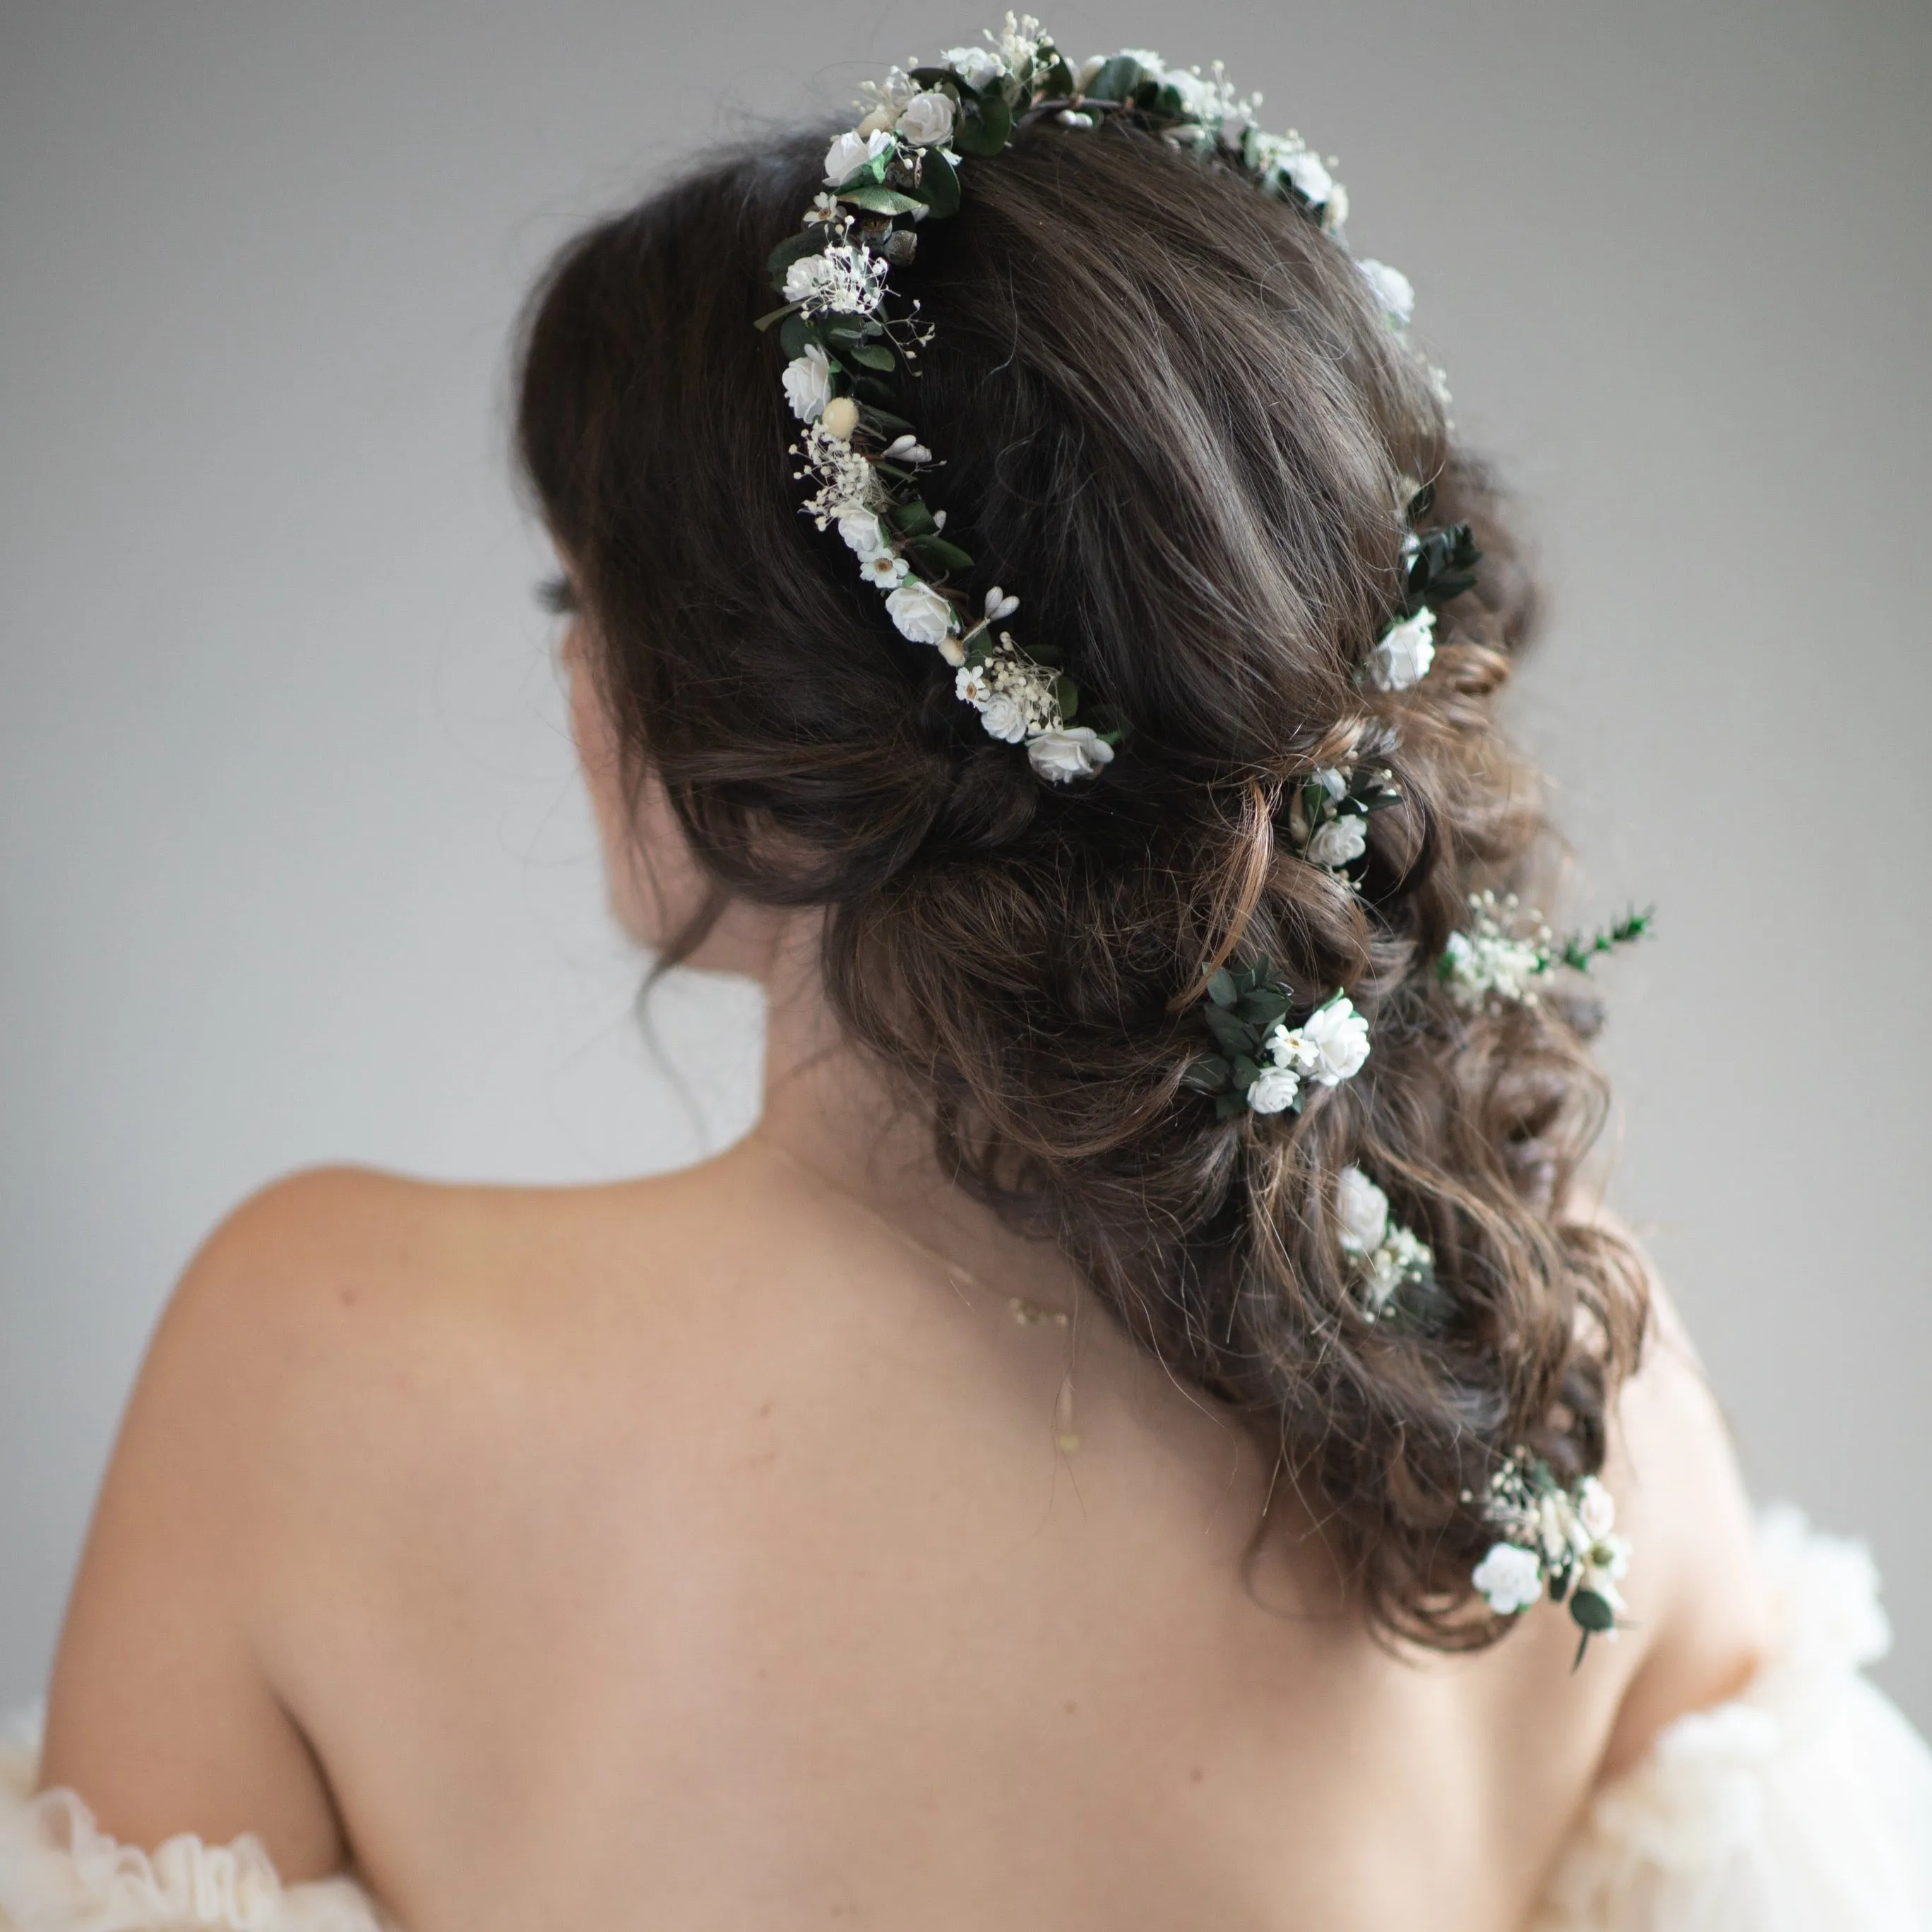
1274, 1091
864, 536
1392, 289
1402, 658
977, 66
1065, 752
1595, 1509
808, 382
920, 612
1362, 1208
882, 569
1313, 181
824, 209
927, 119
850, 152
1339, 1038
1005, 715
1290, 1049
1510, 1577
970, 686
1340, 840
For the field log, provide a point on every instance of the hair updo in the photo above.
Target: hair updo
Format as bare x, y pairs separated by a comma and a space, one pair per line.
1174, 418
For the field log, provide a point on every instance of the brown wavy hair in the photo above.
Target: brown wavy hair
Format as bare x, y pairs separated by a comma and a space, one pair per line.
1174, 418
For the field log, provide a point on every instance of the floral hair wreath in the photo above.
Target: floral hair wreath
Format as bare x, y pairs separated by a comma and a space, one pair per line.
846, 343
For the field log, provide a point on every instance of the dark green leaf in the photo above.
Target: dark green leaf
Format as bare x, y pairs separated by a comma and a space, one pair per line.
765, 321
1591, 1612
1229, 1105
934, 557
1264, 1008
880, 422
874, 357
1067, 695
1422, 502
940, 77
1117, 81
1221, 988
1246, 1072
807, 241
939, 182
1232, 1034
1208, 1074
798, 331
984, 129
911, 519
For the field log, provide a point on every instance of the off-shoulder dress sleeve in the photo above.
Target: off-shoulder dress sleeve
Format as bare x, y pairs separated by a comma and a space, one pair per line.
1803, 1804
60, 1872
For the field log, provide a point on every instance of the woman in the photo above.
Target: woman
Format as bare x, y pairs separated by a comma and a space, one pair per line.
1151, 1430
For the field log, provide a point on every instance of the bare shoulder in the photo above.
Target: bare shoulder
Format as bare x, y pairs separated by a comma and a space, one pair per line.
342, 1340
1675, 1475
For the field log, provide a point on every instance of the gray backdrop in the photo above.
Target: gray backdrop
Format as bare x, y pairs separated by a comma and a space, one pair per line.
295, 868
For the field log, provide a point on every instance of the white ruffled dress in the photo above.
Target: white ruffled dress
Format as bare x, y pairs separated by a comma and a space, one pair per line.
1803, 1804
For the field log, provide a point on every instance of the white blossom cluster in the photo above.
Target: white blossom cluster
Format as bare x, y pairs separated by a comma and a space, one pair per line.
1492, 958
1385, 1254
908, 128
1551, 1535
1327, 1048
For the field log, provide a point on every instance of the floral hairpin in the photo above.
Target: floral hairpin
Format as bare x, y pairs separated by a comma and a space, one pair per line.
1437, 565
1328, 817
1386, 1258
1263, 1065
847, 345
1495, 958
1558, 1539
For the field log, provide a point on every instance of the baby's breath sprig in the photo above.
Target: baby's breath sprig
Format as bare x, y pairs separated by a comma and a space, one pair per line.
1504, 950
1558, 1540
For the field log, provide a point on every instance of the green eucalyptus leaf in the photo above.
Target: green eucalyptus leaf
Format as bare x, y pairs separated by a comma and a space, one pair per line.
1221, 989
1067, 695
1117, 81
1208, 1074
1591, 1612
912, 519
881, 200
939, 183
934, 557
1264, 1008
984, 127
1229, 1105
1232, 1034
771, 315
807, 241
796, 332
1247, 1071
942, 77
874, 357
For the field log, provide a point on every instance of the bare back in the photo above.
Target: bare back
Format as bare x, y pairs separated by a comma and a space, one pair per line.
698, 1552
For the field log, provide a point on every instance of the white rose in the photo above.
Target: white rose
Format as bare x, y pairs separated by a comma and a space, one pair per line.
1340, 840
1595, 1509
864, 536
1362, 1208
1335, 212
1274, 1091
927, 120
1339, 1036
1392, 289
977, 66
1407, 649
850, 152
1313, 181
1004, 715
920, 612
808, 382
1510, 1577
1068, 752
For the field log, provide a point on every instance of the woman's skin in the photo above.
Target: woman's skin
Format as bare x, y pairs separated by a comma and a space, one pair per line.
719, 1550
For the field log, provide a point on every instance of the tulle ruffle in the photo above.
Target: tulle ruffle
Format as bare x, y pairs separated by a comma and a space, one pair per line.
1805, 1802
